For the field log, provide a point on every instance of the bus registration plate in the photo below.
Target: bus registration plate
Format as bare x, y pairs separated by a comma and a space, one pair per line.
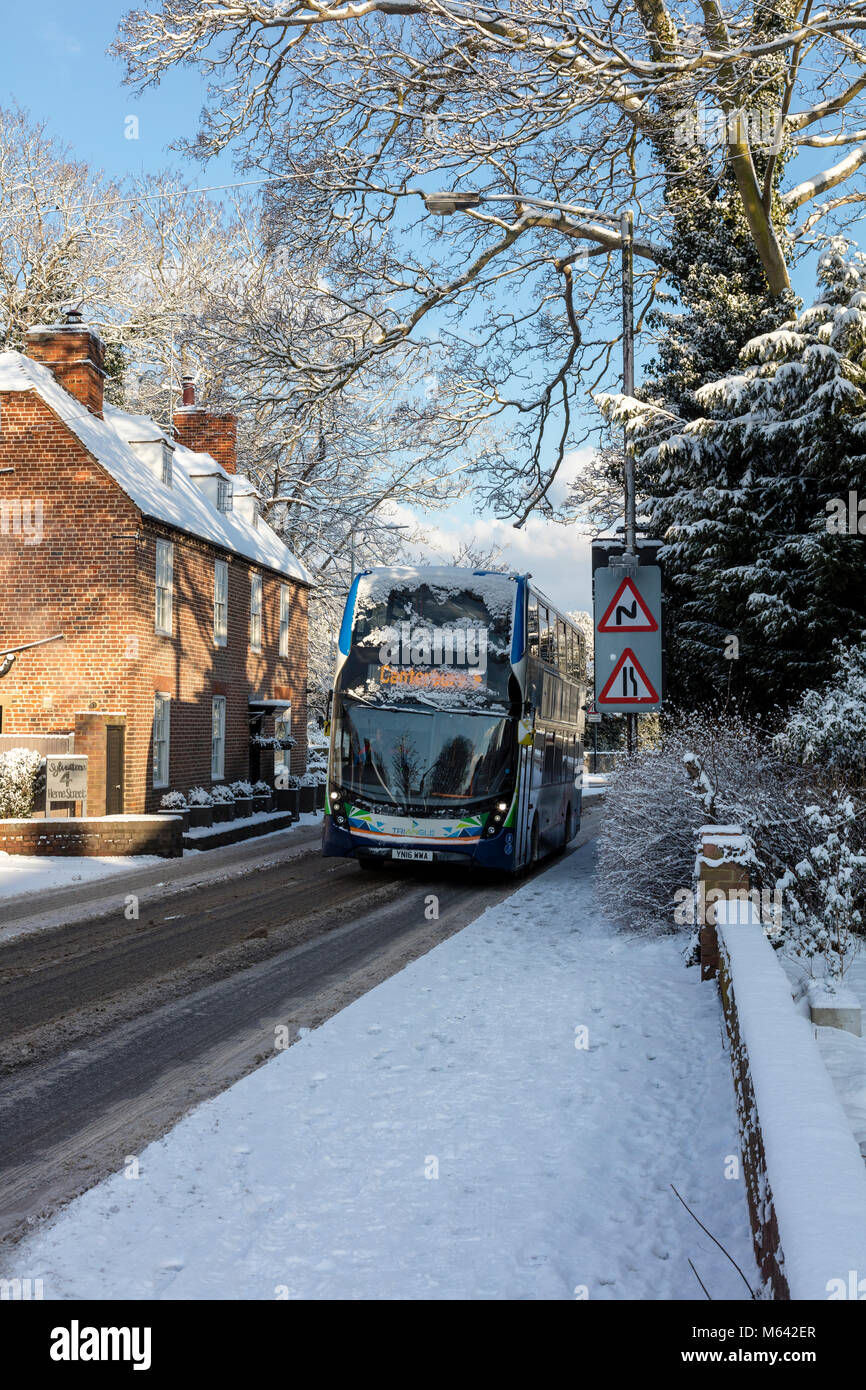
411, 854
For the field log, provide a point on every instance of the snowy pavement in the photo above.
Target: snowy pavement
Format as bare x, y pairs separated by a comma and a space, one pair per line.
454, 1133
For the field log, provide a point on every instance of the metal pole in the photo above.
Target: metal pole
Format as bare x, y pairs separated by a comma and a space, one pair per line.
627, 233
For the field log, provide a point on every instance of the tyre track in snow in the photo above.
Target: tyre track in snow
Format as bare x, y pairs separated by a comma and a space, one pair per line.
139, 1021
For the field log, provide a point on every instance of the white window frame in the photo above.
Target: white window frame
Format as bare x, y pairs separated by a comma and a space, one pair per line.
285, 618
220, 603
218, 738
164, 591
161, 737
225, 495
256, 608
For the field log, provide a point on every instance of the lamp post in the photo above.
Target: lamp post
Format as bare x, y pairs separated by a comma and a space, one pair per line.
445, 204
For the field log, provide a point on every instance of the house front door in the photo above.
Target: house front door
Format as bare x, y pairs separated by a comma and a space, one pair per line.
115, 736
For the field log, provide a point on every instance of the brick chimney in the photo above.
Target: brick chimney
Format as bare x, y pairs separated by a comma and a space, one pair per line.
75, 353
205, 431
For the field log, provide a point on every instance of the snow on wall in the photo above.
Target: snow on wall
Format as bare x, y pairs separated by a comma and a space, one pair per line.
813, 1164
183, 505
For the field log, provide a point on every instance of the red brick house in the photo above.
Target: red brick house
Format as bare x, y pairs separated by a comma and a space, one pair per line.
184, 616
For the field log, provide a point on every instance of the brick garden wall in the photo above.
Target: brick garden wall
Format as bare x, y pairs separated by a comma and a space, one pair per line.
162, 835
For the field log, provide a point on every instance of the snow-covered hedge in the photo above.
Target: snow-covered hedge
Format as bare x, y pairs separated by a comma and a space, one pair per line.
173, 801
222, 795
242, 789
807, 837
19, 769
197, 796
261, 789
828, 726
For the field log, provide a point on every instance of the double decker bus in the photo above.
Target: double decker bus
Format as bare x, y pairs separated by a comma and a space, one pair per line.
456, 721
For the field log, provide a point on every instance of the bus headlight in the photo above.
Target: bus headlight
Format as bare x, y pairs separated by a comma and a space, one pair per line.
502, 805
335, 796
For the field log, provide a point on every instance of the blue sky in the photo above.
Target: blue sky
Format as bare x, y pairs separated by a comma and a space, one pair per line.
54, 64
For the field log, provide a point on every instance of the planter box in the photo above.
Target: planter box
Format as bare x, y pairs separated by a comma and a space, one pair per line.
288, 799
200, 816
308, 799
320, 797
263, 804
243, 807
181, 816
222, 811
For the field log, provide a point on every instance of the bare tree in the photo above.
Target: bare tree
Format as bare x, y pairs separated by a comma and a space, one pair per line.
697, 115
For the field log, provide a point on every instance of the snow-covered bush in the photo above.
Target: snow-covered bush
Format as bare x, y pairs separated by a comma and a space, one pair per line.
827, 728
720, 771
221, 795
197, 796
285, 780
261, 789
174, 801
19, 769
824, 890
313, 778
242, 789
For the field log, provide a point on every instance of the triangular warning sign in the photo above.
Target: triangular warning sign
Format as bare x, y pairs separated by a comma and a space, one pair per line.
628, 683
627, 612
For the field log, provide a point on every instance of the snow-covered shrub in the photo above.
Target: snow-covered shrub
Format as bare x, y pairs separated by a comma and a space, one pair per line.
647, 840
174, 801
261, 789
19, 769
285, 780
827, 728
222, 795
824, 890
242, 789
313, 778
197, 796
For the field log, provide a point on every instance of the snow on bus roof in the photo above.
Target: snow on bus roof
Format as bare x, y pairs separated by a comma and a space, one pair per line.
494, 588
183, 505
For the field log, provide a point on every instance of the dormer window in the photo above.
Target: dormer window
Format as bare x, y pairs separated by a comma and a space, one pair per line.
225, 495
156, 455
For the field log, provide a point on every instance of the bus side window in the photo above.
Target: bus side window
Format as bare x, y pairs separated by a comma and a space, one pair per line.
538, 760
549, 758
532, 626
543, 633
558, 772
562, 646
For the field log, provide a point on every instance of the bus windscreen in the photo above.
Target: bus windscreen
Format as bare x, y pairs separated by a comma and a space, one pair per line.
431, 644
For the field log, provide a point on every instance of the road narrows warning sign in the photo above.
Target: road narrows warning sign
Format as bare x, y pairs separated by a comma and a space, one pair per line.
627, 612
628, 683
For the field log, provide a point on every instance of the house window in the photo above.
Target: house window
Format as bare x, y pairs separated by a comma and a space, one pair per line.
220, 602
225, 495
283, 724
256, 612
285, 602
161, 738
218, 739
164, 586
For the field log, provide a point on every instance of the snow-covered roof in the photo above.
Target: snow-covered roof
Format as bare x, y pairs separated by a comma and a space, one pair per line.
183, 505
